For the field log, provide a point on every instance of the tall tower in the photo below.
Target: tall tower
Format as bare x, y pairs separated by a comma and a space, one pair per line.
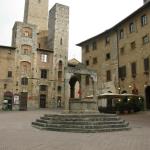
146, 1
36, 13
58, 36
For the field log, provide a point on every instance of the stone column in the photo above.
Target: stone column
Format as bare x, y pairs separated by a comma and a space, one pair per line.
94, 82
67, 91
82, 87
66, 95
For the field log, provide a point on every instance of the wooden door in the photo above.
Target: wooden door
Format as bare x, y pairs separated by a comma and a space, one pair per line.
23, 100
42, 101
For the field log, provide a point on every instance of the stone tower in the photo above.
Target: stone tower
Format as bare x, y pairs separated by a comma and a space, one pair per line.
36, 12
58, 34
146, 1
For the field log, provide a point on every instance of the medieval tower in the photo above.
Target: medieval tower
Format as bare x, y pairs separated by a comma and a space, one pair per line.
36, 12
40, 56
58, 41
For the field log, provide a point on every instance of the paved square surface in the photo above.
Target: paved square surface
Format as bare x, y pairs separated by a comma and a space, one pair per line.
16, 133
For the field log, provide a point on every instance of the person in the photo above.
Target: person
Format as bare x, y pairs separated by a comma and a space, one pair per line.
59, 102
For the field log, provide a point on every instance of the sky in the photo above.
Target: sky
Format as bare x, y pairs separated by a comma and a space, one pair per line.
87, 18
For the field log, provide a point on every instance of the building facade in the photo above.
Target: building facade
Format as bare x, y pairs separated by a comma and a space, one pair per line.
33, 70
121, 55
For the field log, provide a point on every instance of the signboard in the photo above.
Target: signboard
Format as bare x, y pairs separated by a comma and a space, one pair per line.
16, 99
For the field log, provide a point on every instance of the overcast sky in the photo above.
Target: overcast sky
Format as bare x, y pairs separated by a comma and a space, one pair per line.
87, 18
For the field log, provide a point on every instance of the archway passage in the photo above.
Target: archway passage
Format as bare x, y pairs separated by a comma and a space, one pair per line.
147, 95
72, 82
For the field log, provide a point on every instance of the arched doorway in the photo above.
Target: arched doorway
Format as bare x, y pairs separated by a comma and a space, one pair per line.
74, 84
147, 95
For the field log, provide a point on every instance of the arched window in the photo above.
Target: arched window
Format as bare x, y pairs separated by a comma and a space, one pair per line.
27, 32
59, 89
61, 41
59, 75
60, 65
26, 49
24, 81
25, 68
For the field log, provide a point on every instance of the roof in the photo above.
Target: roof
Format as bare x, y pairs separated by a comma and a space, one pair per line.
7, 47
73, 62
45, 50
115, 27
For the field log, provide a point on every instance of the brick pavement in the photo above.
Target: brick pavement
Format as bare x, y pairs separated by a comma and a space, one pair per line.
16, 133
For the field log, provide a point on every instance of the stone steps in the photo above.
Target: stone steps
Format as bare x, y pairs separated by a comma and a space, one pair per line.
80, 126
81, 123
76, 130
81, 119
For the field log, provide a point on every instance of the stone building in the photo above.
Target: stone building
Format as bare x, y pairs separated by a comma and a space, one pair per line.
121, 55
33, 66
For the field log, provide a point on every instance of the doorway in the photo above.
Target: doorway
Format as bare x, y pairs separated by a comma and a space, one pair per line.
23, 100
42, 101
8, 99
147, 95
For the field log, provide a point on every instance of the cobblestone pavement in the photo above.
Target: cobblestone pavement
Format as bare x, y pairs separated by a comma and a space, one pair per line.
16, 133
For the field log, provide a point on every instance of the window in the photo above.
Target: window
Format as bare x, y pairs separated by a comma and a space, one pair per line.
39, 45
43, 88
131, 27
107, 56
133, 69
94, 45
27, 32
43, 73
5, 86
24, 81
133, 45
87, 48
108, 75
122, 51
59, 89
26, 49
107, 40
87, 80
60, 65
61, 41
9, 74
59, 75
145, 39
44, 58
143, 20
146, 65
25, 68
95, 60
122, 72
121, 34
87, 62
